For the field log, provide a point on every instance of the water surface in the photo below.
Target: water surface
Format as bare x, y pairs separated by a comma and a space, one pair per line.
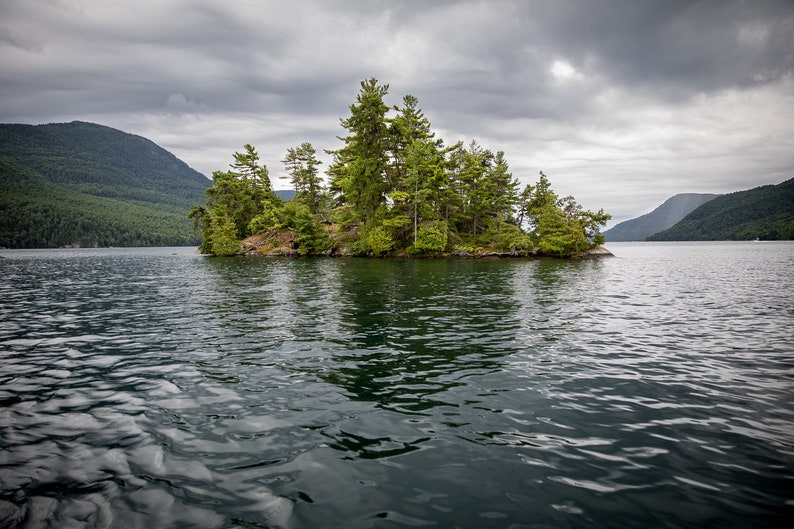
159, 388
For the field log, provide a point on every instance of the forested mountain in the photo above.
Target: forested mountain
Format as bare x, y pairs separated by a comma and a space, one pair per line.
393, 188
82, 184
765, 213
665, 216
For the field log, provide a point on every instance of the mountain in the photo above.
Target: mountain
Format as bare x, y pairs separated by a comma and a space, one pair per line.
665, 216
82, 184
765, 212
285, 194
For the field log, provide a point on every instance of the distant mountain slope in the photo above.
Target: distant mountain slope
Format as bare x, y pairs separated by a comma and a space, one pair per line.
286, 194
766, 213
82, 184
665, 216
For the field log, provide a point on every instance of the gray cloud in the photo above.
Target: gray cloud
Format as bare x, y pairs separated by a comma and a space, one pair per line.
621, 103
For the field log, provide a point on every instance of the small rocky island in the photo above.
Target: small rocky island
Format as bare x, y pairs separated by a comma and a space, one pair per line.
394, 189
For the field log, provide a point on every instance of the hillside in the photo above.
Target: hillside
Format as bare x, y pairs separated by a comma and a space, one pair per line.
765, 213
82, 184
665, 216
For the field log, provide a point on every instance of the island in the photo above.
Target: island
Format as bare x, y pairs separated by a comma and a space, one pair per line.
394, 189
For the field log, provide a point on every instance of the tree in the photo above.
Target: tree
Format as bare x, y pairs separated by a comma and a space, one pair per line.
396, 188
406, 128
504, 188
243, 193
246, 166
476, 189
534, 199
310, 236
561, 226
358, 171
301, 163
223, 233
431, 237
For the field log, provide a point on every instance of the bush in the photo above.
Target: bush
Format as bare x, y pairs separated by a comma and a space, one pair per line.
379, 241
560, 237
431, 237
223, 234
310, 236
510, 237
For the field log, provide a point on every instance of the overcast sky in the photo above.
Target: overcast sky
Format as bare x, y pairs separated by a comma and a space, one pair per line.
621, 103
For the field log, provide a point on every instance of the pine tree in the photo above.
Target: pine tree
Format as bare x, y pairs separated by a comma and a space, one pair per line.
359, 169
301, 163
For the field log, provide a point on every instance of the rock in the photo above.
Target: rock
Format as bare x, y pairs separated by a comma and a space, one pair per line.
597, 253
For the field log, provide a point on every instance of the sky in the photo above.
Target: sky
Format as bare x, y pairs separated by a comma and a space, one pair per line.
621, 103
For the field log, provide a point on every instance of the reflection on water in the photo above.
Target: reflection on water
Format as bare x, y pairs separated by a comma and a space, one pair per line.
414, 330
158, 388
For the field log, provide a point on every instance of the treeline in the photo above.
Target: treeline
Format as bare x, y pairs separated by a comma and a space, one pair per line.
35, 214
765, 213
81, 184
100, 160
394, 187
39, 229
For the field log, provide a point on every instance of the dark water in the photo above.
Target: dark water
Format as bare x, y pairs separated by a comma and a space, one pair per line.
156, 388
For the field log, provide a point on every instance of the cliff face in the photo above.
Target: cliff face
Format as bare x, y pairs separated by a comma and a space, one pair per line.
665, 216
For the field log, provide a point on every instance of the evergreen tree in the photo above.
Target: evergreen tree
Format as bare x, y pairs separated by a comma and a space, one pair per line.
239, 195
408, 126
301, 163
359, 169
504, 188
255, 176
397, 189
560, 226
478, 192
223, 233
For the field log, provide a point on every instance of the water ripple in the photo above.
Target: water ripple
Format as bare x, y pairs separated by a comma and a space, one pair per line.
157, 388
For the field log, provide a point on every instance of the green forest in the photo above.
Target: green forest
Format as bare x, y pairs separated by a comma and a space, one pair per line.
393, 188
764, 213
82, 184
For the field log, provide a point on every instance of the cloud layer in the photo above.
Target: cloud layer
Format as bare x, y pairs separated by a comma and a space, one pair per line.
621, 103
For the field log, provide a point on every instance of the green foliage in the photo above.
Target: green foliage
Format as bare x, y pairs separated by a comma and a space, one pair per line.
558, 235
310, 236
559, 225
223, 234
247, 168
766, 213
396, 222
431, 237
268, 216
243, 195
510, 238
244, 192
378, 241
469, 249
358, 171
80, 184
397, 188
301, 163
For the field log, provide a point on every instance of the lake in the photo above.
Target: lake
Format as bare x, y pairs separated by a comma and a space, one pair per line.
157, 388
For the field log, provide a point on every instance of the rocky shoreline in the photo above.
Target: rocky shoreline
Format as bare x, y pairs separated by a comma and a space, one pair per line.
283, 244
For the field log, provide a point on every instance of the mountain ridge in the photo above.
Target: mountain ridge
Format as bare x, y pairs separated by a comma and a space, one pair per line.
765, 213
661, 218
85, 184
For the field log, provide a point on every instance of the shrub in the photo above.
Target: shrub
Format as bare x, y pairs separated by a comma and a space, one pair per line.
431, 237
379, 241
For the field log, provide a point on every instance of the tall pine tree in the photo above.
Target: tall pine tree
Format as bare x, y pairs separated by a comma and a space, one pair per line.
359, 169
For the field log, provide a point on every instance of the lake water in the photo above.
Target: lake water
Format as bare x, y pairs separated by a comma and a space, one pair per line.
156, 388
